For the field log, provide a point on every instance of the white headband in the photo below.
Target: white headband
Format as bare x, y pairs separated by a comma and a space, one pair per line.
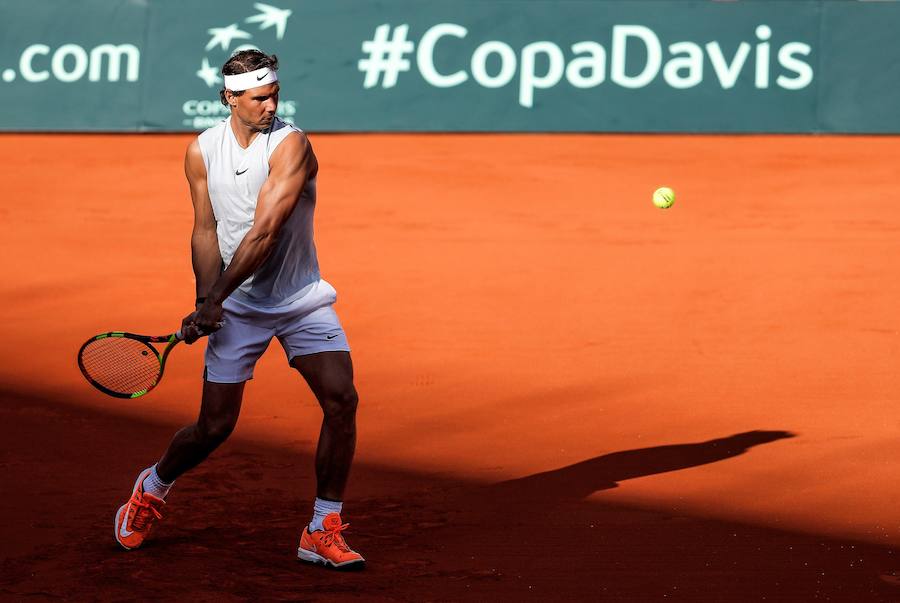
251, 79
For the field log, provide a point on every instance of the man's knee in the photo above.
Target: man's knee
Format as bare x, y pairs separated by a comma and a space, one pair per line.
214, 432
340, 406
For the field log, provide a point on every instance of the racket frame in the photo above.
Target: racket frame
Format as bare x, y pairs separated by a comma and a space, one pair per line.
171, 340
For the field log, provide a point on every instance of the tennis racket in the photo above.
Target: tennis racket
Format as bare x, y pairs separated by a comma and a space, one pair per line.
125, 365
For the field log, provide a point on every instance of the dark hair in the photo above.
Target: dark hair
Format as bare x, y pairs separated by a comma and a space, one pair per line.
243, 62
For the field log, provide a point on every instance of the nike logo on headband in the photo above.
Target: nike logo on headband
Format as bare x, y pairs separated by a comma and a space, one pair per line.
262, 76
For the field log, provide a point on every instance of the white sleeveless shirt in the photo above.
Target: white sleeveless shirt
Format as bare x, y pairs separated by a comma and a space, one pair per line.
234, 176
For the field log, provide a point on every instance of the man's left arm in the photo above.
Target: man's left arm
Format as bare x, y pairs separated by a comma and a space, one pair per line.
292, 164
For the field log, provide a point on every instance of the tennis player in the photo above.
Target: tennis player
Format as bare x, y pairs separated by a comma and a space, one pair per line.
253, 185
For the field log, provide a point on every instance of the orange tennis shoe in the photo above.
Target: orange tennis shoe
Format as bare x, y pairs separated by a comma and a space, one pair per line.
327, 546
135, 518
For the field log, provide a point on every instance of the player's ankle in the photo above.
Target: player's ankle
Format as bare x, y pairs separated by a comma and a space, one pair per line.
321, 508
153, 484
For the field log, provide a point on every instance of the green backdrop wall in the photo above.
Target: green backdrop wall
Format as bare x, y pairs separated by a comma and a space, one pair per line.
459, 65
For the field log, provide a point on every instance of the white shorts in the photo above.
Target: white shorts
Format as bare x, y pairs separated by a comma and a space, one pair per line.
308, 325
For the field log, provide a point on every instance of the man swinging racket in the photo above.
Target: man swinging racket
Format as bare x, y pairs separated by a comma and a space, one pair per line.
253, 186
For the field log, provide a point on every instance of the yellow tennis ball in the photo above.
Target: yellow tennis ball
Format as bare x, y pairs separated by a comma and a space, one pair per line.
663, 197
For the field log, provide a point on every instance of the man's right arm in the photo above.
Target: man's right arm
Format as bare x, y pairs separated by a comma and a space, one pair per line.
205, 254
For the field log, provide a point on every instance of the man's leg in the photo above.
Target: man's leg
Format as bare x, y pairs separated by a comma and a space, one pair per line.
330, 377
219, 411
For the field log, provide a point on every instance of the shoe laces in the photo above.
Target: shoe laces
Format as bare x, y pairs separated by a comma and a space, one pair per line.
334, 537
145, 513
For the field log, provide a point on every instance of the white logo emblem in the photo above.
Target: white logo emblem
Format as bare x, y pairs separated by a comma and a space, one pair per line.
270, 16
209, 74
123, 532
223, 42
224, 35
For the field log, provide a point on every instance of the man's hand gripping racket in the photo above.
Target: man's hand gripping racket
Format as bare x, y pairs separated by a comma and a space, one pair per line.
125, 365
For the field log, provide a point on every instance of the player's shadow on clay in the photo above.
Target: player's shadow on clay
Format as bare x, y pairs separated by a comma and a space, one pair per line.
580, 480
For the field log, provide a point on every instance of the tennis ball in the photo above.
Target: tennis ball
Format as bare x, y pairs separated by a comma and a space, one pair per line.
663, 197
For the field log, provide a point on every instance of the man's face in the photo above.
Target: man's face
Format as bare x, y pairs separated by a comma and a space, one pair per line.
256, 107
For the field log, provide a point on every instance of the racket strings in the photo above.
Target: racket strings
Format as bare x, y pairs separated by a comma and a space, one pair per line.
121, 364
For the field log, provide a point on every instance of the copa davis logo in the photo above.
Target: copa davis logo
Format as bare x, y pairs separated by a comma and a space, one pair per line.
544, 64
224, 42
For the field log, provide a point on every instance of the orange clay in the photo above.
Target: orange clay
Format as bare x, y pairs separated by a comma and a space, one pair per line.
517, 308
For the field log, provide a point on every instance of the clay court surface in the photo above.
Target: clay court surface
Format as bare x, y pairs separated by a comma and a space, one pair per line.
566, 393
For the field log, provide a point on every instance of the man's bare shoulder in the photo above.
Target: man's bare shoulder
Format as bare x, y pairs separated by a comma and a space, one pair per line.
193, 148
294, 149
194, 167
297, 141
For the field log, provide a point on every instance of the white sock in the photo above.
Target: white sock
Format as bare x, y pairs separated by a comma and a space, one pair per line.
156, 486
321, 509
